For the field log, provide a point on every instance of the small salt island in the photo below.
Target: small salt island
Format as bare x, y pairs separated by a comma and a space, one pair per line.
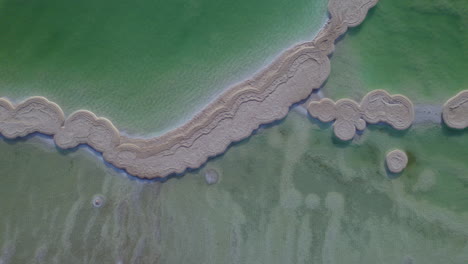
396, 161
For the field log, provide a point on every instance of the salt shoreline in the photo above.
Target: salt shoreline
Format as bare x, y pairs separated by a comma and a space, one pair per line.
233, 116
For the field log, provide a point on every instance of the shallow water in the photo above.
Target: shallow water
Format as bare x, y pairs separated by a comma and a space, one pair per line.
310, 199
417, 48
146, 65
292, 193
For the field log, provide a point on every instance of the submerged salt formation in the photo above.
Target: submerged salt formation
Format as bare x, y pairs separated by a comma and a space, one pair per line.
211, 176
98, 201
233, 116
377, 106
455, 111
396, 161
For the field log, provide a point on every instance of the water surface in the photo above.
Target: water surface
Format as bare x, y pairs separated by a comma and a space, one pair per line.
416, 48
290, 194
146, 65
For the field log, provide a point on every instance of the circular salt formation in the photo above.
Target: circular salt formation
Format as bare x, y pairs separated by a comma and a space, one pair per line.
344, 130
396, 161
98, 201
324, 110
211, 176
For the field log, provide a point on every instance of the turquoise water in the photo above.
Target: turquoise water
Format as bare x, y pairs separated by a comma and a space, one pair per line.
146, 65
289, 194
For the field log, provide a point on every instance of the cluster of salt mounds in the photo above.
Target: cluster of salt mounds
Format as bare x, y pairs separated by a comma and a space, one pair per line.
233, 116
377, 106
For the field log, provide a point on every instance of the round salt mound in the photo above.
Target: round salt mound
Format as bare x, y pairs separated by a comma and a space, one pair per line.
396, 161
98, 201
211, 176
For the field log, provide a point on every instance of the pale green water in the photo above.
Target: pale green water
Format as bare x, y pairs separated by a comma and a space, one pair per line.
289, 194
146, 65
417, 48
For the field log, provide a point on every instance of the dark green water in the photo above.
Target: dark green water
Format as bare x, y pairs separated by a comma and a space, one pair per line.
148, 64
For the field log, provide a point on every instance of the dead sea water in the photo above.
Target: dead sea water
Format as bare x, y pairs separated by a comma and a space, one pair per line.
292, 193
417, 48
289, 194
145, 65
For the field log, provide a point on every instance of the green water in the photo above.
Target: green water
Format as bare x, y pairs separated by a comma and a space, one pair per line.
417, 48
146, 65
290, 194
